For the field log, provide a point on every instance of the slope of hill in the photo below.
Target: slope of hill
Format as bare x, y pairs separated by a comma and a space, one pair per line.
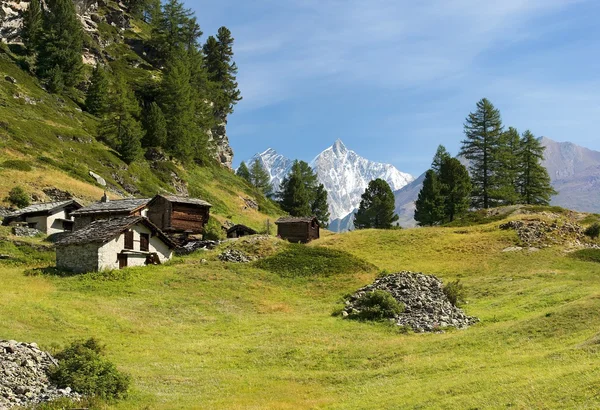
235, 336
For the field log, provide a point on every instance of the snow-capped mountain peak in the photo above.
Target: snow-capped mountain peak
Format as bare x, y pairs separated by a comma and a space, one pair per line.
338, 148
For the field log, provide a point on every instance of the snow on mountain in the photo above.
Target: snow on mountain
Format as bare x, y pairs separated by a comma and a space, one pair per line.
346, 175
343, 172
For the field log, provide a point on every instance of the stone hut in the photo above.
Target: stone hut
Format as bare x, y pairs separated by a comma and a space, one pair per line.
294, 229
49, 217
109, 209
113, 244
237, 231
179, 215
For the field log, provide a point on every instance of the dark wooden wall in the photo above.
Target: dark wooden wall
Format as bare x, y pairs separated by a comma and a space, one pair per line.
176, 217
159, 213
298, 231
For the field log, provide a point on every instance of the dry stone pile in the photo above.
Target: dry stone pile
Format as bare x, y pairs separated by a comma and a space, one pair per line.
541, 233
23, 376
426, 306
233, 255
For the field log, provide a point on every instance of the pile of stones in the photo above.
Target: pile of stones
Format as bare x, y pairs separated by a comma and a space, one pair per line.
233, 255
540, 233
193, 246
427, 307
23, 376
25, 231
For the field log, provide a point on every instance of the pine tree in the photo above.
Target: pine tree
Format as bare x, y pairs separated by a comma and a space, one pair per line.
222, 71
155, 127
440, 155
320, 207
60, 46
507, 169
54, 80
430, 203
130, 136
96, 100
376, 208
179, 109
534, 181
170, 31
483, 131
455, 188
260, 178
32, 26
243, 171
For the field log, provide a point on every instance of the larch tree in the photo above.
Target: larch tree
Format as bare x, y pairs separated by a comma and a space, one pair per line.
534, 181
455, 189
507, 160
302, 195
97, 98
377, 206
320, 207
483, 131
155, 127
441, 154
260, 178
32, 26
429, 209
243, 171
60, 46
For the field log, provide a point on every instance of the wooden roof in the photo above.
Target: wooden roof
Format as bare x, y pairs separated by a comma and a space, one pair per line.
105, 230
185, 200
295, 219
240, 226
114, 206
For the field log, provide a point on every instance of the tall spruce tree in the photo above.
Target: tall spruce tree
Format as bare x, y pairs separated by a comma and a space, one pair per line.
483, 132
441, 154
430, 202
455, 188
507, 158
170, 31
534, 181
97, 98
376, 208
320, 207
155, 127
60, 46
32, 26
243, 171
260, 178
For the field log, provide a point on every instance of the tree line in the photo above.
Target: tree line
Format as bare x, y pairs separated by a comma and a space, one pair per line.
505, 168
195, 92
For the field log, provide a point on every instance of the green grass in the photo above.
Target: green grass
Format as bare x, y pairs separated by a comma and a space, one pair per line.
588, 255
221, 335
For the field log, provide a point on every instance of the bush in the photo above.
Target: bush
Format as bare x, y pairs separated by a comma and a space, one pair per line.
213, 231
593, 231
377, 305
587, 255
455, 292
18, 197
83, 368
17, 165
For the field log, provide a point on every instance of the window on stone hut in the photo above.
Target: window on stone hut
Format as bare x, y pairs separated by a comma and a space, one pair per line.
129, 240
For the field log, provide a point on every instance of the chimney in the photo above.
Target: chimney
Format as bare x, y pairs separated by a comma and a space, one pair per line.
104, 198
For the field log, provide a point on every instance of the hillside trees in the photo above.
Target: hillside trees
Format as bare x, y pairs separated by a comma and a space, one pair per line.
97, 99
507, 159
59, 48
376, 208
260, 178
243, 171
302, 195
430, 203
533, 181
32, 26
155, 125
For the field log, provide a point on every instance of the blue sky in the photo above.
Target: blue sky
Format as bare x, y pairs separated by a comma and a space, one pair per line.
395, 78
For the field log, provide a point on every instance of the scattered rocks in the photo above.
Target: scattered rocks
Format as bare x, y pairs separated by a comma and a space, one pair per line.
5, 257
233, 255
25, 231
427, 308
538, 233
155, 154
193, 246
24, 380
10, 79
250, 203
98, 178
56, 194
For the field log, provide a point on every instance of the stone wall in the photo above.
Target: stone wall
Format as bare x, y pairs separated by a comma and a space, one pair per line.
77, 258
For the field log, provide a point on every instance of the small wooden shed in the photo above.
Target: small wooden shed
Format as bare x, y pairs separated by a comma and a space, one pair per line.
298, 229
176, 214
239, 230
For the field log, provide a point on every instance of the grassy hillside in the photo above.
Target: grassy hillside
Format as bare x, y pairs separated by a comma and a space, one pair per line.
218, 335
47, 141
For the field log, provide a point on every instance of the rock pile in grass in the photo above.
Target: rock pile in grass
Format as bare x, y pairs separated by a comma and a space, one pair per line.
193, 246
233, 255
427, 307
541, 233
23, 376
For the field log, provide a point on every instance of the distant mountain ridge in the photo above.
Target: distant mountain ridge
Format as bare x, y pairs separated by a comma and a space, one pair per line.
574, 172
343, 172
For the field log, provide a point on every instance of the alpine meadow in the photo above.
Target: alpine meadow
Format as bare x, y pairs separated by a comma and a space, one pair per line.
143, 265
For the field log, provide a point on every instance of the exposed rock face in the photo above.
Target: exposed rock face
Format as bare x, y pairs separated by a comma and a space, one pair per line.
23, 376
223, 152
540, 233
56, 194
426, 306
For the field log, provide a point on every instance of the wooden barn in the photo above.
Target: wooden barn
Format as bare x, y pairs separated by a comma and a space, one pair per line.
237, 231
113, 244
49, 217
294, 229
179, 215
109, 209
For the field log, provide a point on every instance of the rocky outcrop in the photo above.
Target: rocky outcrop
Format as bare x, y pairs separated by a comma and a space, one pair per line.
233, 255
24, 378
223, 151
540, 233
427, 307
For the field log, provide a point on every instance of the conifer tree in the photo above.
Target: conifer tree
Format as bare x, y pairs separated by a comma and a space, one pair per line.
376, 208
260, 178
430, 203
440, 155
483, 131
243, 171
60, 46
32, 26
534, 181
320, 207
97, 97
155, 127
130, 136
455, 188
170, 31
505, 190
